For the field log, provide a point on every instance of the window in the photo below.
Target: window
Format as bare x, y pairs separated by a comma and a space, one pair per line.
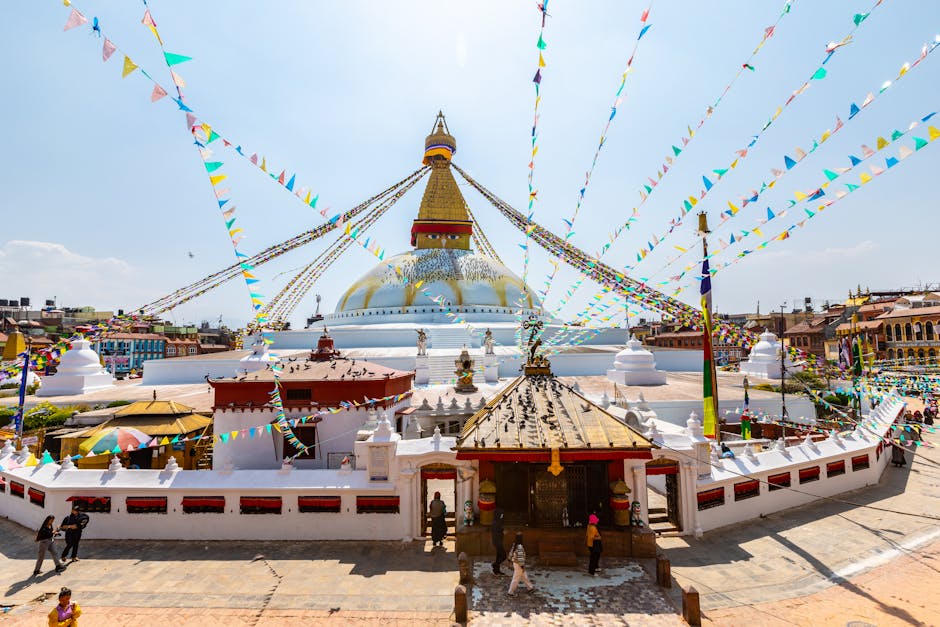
17, 489
860, 462
834, 469
809, 474
918, 332
297, 394
92, 504
746, 490
192, 350
203, 504
260, 504
888, 335
890, 353
171, 350
376, 504
711, 498
779, 481
897, 333
37, 497
319, 504
928, 328
908, 333
146, 505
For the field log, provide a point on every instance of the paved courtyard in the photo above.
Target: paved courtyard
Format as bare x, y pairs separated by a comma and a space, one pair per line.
824, 549
623, 593
252, 583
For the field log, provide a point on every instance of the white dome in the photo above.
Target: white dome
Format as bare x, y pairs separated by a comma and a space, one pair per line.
766, 350
80, 360
634, 358
635, 365
462, 277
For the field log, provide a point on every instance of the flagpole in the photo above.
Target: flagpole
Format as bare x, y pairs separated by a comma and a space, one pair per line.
710, 422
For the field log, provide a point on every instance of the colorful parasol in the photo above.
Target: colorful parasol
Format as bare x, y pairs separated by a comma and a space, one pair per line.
113, 440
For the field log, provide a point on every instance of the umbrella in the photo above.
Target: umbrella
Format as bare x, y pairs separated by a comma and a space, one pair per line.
105, 440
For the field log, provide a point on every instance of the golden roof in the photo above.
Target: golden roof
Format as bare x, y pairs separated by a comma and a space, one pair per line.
539, 413
155, 425
442, 199
154, 408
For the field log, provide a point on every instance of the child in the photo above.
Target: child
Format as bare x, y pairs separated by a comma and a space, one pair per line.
517, 557
66, 613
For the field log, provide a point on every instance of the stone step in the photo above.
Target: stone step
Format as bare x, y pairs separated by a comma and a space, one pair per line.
558, 558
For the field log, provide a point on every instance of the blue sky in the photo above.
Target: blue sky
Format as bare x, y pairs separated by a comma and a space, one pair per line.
104, 197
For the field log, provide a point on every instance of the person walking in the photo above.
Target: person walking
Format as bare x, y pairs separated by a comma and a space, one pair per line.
594, 544
517, 557
438, 524
73, 524
66, 613
496, 535
45, 537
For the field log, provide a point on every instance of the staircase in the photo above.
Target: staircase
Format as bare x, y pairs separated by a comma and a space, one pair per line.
203, 449
441, 369
455, 336
558, 553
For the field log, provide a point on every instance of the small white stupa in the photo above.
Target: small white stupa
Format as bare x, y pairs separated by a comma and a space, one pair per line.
764, 359
79, 372
635, 365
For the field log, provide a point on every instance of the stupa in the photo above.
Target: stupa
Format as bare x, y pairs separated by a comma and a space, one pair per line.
635, 365
764, 359
477, 285
79, 372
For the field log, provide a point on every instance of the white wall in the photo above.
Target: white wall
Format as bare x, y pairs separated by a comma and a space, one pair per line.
792, 460
404, 468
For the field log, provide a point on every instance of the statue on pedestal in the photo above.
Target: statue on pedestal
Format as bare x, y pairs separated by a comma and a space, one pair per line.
422, 342
488, 342
464, 372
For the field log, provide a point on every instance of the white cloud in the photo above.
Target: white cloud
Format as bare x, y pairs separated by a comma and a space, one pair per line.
44, 270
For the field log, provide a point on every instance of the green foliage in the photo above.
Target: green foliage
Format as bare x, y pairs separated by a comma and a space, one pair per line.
810, 379
45, 415
118, 403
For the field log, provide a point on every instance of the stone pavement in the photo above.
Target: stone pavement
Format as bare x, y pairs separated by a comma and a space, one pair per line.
803, 551
391, 582
622, 594
903, 592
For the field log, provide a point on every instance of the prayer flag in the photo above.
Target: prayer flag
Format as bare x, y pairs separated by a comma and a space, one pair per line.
129, 66
710, 398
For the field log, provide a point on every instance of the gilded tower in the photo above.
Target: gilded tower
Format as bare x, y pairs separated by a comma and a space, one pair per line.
443, 221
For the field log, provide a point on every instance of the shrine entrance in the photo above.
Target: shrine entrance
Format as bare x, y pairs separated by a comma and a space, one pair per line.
531, 495
439, 478
663, 495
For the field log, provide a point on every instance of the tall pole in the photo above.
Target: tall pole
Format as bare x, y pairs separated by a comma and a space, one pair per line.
783, 376
21, 408
710, 421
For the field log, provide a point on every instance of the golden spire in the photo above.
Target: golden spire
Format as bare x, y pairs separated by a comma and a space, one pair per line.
442, 220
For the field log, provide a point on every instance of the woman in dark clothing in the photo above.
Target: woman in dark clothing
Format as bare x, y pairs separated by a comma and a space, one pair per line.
45, 538
496, 535
438, 523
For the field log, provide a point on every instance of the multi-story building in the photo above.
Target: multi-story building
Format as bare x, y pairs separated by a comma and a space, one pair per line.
911, 329
123, 353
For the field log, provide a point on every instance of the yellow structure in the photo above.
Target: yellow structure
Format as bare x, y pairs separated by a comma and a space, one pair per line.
443, 221
164, 420
16, 344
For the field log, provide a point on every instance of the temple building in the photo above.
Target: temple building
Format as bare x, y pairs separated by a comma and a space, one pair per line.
549, 458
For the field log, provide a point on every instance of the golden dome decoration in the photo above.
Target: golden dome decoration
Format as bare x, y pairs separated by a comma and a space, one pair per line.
440, 144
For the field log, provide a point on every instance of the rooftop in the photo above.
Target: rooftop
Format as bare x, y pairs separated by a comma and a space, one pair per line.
335, 370
907, 313
541, 412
